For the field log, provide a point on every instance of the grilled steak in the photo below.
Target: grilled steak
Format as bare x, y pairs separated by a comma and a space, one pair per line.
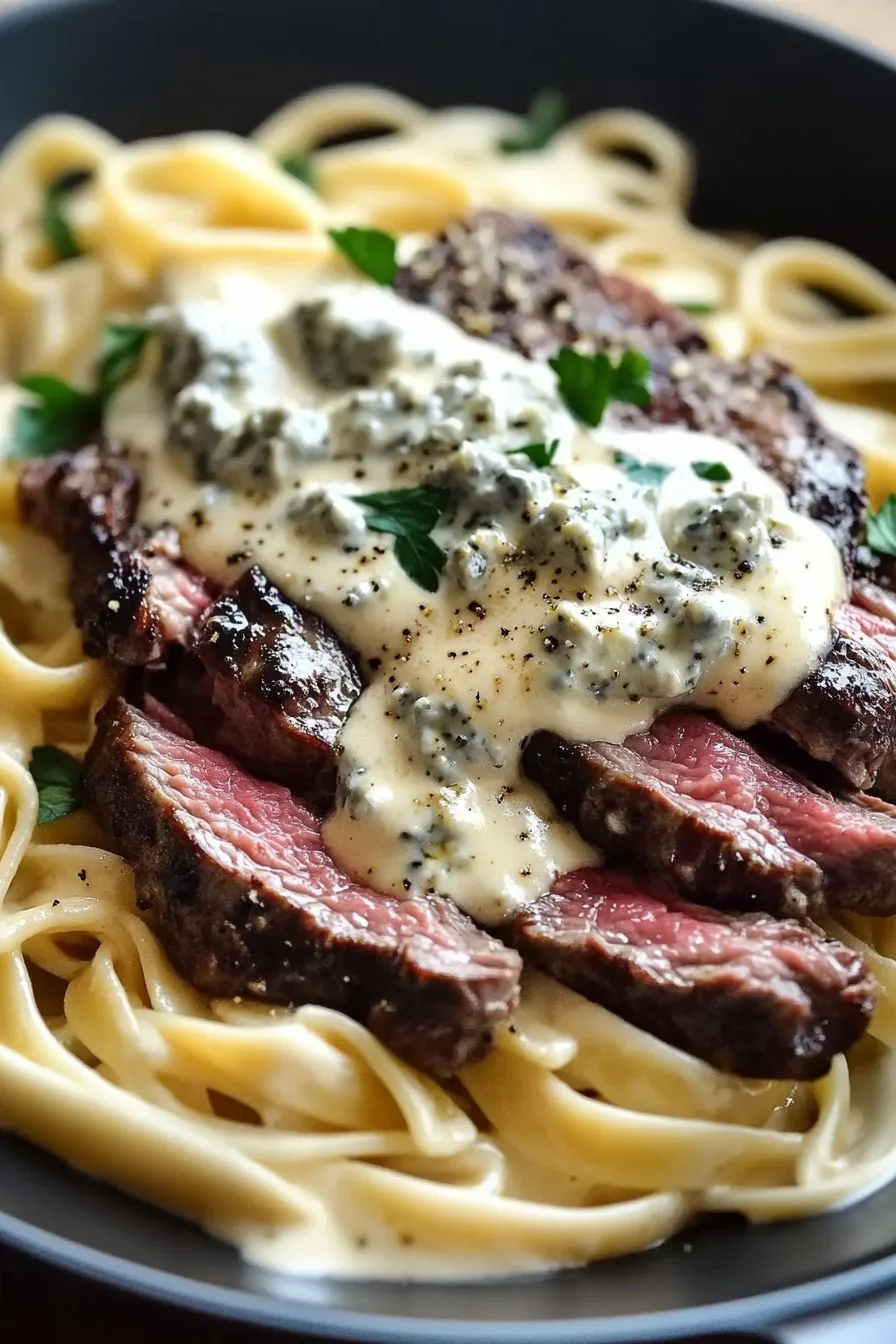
269, 685
752, 995
234, 877
508, 279
703, 809
844, 713
133, 594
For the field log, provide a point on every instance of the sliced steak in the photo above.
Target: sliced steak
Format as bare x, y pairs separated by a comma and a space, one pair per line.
752, 995
506, 278
270, 685
133, 593
844, 713
703, 809
234, 877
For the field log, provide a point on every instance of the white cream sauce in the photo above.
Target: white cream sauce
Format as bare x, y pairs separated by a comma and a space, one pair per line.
583, 620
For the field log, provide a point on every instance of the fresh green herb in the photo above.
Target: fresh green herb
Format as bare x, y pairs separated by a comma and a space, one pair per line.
711, 471
62, 416
539, 454
697, 309
880, 529
301, 168
370, 250
642, 473
588, 383
59, 417
58, 779
120, 351
56, 228
546, 115
410, 516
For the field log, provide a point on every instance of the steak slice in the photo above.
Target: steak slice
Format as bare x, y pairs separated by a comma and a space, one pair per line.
269, 684
750, 994
234, 877
703, 809
506, 278
844, 713
133, 594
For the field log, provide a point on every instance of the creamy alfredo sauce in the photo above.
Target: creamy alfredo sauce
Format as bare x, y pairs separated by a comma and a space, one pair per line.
576, 598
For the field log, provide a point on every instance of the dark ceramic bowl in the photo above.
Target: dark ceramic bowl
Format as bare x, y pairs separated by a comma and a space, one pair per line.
795, 133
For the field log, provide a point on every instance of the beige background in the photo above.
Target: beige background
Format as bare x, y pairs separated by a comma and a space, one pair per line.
872, 20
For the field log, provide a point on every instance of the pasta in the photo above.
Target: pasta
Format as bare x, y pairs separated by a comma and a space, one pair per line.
295, 1134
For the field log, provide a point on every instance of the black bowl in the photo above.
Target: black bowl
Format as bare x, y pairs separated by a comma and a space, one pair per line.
794, 132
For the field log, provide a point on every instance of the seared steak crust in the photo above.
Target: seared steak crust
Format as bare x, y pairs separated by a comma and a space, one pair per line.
751, 995
508, 279
704, 846
701, 808
233, 875
844, 713
133, 594
270, 685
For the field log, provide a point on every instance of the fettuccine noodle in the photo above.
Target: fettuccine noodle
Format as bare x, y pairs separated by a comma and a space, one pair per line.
294, 1133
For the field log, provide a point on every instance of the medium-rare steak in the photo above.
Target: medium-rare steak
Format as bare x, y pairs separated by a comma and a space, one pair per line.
270, 685
505, 278
844, 713
702, 808
752, 995
233, 875
133, 594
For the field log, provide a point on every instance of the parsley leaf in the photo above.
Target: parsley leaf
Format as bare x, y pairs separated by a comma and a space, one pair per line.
410, 516
62, 416
58, 779
546, 115
588, 383
539, 454
59, 418
370, 250
697, 309
880, 529
120, 350
55, 226
641, 473
711, 471
301, 168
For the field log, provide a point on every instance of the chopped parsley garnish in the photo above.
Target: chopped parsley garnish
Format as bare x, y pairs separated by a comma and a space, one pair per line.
641, 473
546, 115
55, 226
697, 309
539, 454
880, 529
588, 383
371, 251
61, 416
711, 471
301, 168
58, 779
410, 516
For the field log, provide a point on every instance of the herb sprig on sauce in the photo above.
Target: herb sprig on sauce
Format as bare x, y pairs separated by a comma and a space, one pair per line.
588, 383
371, 251
410, 517
58, 779
539, 454
641, 473
711, 471
546, 115
61, 416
